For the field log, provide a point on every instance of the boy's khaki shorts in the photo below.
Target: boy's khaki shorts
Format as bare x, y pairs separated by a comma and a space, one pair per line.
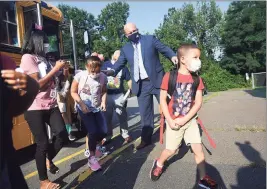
190, 132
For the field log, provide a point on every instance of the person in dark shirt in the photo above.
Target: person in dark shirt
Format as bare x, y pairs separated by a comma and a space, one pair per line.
17, 92
115, 91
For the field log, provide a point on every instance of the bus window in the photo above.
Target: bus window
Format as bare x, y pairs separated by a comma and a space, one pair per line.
30, 18
53, 43
51, 28
8, 24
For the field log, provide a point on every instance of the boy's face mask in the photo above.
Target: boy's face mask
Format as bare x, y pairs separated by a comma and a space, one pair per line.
194, 65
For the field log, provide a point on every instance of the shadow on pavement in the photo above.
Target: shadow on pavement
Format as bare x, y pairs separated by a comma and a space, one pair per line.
73, 168
253, 175
260, 92
211, 170
214, 174
121, 171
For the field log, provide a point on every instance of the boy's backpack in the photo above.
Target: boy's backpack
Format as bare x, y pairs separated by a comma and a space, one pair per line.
171, 87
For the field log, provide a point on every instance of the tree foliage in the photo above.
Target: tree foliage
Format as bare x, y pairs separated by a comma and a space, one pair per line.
200, 23
112, 19
81, 19
203, 24
244, 37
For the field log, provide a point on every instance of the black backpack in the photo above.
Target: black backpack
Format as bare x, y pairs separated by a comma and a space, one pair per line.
172, 83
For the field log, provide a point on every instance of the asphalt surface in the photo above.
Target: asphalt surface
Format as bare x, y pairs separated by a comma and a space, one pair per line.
236, 120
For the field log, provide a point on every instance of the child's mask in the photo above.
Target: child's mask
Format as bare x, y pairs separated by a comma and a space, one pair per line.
194, 65
95, 76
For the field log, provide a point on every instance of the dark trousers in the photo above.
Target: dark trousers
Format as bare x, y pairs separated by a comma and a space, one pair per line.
37, 120
96, 127
11, 176
146, 108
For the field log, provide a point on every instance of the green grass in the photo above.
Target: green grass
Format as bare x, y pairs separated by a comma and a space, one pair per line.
207, 98
251, 129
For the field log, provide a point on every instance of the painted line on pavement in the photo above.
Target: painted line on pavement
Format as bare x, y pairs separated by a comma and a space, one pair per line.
34, 173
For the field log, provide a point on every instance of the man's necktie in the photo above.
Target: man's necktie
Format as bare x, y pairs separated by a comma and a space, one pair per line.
136, 63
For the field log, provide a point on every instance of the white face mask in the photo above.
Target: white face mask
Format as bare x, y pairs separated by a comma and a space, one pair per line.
95, 76
194, 65
46, 47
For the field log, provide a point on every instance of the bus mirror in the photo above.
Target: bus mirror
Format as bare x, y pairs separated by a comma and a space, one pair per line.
85, 37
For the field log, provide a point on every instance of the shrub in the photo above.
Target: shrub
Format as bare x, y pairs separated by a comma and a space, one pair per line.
218, 79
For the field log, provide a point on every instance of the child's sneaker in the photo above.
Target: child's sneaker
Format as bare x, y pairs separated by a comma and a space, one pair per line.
208, 183
155, 172
86, 153
93, 163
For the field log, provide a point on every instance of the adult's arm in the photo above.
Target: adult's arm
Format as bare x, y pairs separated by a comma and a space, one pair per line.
29, 66
120, 63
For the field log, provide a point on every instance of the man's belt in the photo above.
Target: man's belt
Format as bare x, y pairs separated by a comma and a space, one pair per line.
146, 79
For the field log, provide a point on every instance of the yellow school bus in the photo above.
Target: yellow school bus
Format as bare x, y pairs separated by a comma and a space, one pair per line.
17, 17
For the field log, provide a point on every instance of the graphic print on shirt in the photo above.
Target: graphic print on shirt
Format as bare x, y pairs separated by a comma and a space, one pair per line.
91, 94
114, 82
182, 99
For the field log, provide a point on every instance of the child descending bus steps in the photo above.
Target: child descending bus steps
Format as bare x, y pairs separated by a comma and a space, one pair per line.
89, 92
180, 113
63, 81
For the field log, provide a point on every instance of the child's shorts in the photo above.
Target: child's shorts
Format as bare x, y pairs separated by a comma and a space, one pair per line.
190, 132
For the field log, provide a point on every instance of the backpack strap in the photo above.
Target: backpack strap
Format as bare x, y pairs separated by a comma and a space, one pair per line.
171, 87
82, 83
196, 82
172, 84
